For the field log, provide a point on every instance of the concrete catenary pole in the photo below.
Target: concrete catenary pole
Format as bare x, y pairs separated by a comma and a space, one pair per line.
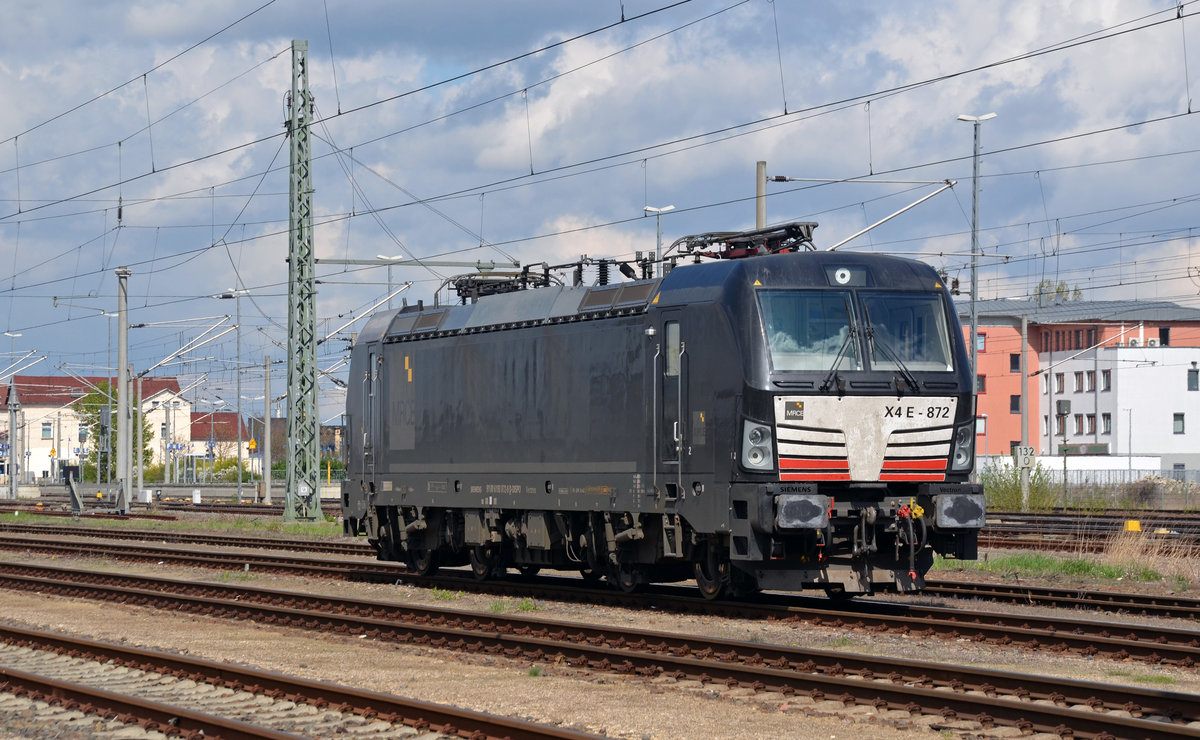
124, 480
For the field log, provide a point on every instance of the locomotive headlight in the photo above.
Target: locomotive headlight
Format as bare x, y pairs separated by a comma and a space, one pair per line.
757, 453
842, 276
964, 447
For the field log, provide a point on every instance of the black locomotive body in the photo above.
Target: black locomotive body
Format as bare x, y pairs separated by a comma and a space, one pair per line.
785, 421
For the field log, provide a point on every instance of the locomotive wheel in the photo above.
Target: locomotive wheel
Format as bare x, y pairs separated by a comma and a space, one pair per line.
484, 563
422, 562
711, 575
838, 593
625, 578
741, 584
589, 574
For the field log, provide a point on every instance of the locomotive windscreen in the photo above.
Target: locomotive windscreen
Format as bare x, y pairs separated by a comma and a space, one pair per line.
909, 328
808, 329
821, 329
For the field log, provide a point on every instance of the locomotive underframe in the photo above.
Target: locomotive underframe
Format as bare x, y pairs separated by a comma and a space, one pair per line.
861, 541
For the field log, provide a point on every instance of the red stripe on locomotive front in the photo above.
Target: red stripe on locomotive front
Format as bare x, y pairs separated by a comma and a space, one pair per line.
810, 464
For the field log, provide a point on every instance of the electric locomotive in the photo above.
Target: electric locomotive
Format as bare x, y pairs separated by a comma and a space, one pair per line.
761, 416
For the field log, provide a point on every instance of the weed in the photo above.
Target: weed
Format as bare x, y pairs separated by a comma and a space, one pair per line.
442, 594
497, 606
1002, 488
526, 605
842, 641
1157, 680
535, 671
236, 575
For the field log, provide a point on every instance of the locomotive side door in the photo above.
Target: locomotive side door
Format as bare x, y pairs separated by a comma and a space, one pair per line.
671, 429
370, 407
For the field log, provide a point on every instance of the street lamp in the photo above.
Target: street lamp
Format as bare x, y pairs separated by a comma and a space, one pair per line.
658, 212
236, 295
975, 120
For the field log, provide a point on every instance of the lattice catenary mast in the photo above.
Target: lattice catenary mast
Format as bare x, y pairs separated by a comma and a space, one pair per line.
303, 501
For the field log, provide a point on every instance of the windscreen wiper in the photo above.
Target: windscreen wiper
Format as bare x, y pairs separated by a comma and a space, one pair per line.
904, 371
833, 378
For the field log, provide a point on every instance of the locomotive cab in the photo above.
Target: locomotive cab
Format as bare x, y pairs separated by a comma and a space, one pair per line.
858, 427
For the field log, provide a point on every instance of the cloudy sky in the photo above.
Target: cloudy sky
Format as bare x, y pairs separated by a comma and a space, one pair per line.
150, 134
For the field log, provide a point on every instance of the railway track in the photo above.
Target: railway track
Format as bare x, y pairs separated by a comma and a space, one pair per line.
1160, 605
180, 695
991, 698
1154, 644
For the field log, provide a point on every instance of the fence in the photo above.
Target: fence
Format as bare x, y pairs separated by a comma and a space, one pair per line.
1117, 486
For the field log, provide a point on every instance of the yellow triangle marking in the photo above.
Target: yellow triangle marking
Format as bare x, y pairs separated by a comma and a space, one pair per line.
655, 301
757, 283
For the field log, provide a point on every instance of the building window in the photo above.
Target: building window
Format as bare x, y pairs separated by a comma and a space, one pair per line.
980, 383
1014, 404
1091, 380
1079, 382
1164, 336
980, 342
47, 429
1014, 363
1046, 425
1106, 423
1060, 425
1194, 379
1091, 337
1106, 380
1091, 423
1079, 423
1045, 384
1059, 383
1178, 424
1079, 339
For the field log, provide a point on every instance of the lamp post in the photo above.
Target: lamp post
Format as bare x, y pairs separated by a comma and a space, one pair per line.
236, 295
658, 212
975, 120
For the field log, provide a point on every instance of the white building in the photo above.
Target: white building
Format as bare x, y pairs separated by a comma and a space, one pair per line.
1123, 400
48, 434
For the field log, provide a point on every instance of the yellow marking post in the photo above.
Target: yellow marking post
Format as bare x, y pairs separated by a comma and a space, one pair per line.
1133, 525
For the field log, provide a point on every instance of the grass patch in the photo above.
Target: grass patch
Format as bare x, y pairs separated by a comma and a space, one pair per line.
1155, 680
535, 671
508, 605
1043, 565
443, 594
227, 576
843, 641
322, 528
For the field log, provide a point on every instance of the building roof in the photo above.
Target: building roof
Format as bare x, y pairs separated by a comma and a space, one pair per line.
1069, 312
55, 390
219, 426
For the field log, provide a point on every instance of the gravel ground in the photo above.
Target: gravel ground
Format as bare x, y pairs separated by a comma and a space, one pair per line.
615, 706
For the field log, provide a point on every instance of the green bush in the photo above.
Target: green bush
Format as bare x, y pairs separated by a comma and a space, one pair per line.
1002, 488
